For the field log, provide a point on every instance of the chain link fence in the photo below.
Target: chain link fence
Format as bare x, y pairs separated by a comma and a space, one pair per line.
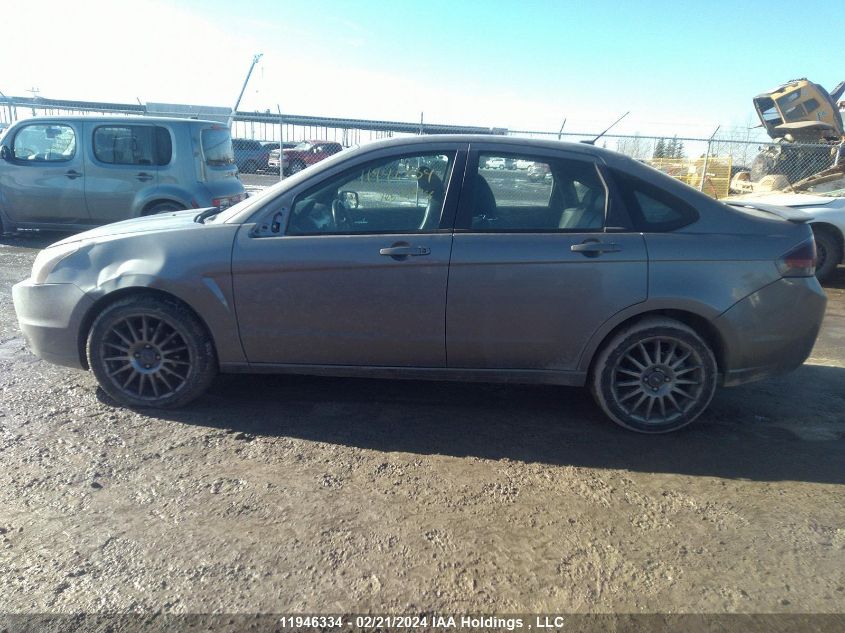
742, 161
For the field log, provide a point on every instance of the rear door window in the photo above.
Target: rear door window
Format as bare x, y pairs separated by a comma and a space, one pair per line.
126, 145
523, 193
217, 146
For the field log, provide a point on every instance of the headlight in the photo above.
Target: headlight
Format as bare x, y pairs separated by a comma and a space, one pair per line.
47, 260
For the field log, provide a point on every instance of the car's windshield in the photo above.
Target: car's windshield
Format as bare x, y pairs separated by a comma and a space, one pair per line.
217, 146
304, 145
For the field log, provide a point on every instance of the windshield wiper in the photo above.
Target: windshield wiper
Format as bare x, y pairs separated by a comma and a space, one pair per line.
203, 215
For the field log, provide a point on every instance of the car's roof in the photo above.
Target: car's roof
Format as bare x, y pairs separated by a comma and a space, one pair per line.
119, 119
516, 142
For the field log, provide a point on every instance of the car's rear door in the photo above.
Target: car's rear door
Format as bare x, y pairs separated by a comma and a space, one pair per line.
537, 267
368, 289
123, 162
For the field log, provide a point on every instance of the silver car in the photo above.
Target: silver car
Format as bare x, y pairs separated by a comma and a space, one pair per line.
403, 259
77, 172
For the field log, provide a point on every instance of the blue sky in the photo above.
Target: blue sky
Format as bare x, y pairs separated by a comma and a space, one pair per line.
678, 67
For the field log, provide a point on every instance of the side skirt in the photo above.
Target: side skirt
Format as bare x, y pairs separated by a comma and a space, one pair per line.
519, 376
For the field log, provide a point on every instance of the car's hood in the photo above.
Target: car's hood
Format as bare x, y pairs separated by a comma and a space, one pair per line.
146, 224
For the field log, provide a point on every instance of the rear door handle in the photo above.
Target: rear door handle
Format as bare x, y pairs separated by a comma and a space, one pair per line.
73, 174
143, 177
594, 249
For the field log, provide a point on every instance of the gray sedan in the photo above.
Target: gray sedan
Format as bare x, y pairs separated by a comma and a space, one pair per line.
407, 258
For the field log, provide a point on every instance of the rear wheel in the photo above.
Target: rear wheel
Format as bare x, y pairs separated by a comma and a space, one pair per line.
151, 352
250, 167
163, 207
655, 376
828, 253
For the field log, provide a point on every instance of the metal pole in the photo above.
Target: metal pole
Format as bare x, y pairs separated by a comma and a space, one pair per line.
281, 145
9, 106
243, 88
421, 123
707, 158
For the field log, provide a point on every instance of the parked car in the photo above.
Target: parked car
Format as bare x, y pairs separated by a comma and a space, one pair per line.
251, 156
303, 155
273, 158
77, 172
538, 172
621, 279
495, 162
826, 216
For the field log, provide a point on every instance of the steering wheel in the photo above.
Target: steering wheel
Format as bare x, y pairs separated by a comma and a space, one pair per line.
340, 216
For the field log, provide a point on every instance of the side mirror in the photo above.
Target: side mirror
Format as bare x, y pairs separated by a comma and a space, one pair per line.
5, 153
349, 199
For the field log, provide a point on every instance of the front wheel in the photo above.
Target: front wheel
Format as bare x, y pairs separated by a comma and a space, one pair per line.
297, 167
655, 376
151, 352
828, 253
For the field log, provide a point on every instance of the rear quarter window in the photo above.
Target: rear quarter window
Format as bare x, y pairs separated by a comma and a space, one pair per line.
217, 146
652, 209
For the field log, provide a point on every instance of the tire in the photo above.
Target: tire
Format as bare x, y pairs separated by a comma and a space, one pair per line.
296, 167
828, 253
147, 351
250, 167
671, 387
163, 207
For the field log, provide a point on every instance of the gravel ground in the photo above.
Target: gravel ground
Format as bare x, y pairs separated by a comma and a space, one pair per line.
288, 494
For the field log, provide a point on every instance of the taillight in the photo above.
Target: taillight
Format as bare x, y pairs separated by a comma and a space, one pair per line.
800, 261
225, 203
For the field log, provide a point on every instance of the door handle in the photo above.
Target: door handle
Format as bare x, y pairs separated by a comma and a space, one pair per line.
143, 177
73, 174
594, 248
401, 251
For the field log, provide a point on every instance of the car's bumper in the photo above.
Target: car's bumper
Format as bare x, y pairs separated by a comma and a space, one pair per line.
771, 331
50, 316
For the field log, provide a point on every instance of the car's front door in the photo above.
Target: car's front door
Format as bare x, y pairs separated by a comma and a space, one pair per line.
351, 268
535, 268
43, 180
124, 161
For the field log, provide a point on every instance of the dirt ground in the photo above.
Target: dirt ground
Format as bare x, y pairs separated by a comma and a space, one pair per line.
288, 494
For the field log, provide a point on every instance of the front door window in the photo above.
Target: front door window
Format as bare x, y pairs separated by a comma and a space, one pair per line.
399, 195
45, 143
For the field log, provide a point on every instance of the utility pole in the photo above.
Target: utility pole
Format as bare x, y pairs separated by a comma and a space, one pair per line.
243, 88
